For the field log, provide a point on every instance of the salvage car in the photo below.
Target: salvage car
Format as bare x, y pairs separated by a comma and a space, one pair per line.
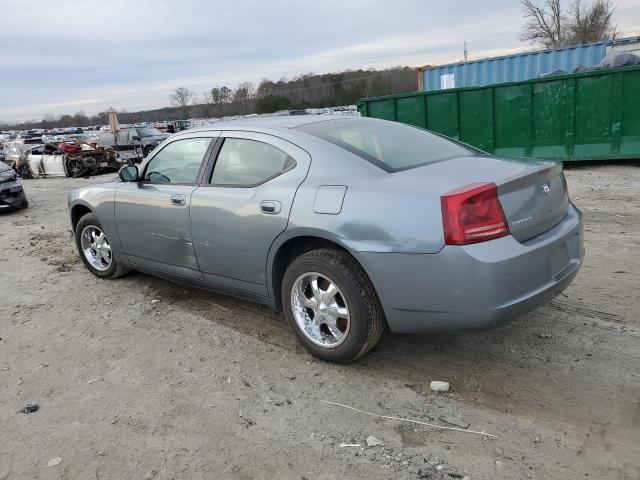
71, 159
12, 194
16, 157
142, 139
344, 224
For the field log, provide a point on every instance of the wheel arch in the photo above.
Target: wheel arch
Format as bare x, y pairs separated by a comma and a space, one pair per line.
286, 248
78, 211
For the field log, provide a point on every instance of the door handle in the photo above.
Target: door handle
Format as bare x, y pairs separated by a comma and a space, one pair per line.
270, 207
178, 200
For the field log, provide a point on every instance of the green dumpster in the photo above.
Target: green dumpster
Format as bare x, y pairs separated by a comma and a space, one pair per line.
583, 116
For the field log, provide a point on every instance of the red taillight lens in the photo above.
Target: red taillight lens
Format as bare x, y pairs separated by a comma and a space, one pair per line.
473, 214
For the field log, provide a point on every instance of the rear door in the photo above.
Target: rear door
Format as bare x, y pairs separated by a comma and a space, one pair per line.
241, 208
53, 162
152, 215
34, 159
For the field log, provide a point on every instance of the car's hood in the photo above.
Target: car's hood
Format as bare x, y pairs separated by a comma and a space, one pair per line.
4, 167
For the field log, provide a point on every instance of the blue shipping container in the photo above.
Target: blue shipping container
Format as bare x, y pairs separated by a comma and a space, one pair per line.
517, 67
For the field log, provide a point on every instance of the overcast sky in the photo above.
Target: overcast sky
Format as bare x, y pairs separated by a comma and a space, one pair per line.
64, 56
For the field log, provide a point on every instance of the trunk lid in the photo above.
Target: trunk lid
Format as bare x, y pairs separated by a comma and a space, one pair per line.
535, 202
533, 193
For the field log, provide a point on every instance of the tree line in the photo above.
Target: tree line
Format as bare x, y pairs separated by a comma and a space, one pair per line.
305, 91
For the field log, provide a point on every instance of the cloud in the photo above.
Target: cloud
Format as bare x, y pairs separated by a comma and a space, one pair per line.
94, 54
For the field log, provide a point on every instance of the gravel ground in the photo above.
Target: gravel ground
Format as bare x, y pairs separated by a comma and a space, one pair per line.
199, 385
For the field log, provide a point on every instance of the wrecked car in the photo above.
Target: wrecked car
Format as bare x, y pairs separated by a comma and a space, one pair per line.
16, 157
86, 159
70, 159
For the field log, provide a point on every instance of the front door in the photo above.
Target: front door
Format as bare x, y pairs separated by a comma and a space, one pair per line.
152, 215
245, 205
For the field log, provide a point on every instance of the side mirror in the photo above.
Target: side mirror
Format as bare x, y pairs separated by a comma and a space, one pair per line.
128, 173
135, 138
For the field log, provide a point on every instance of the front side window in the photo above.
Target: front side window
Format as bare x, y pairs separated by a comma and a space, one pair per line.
392, 146
178, 162
242, 162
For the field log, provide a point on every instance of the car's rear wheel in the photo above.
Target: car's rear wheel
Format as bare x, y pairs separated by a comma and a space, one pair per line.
331, 305
95, 250
147, 150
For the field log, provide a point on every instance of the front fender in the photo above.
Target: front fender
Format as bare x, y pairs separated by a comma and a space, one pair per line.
100, 200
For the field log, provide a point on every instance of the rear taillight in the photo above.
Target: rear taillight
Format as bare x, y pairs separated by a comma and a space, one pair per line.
473, 214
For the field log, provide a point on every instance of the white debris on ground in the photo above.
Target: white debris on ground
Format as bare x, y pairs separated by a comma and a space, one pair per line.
54, 461
373, 441
437, 386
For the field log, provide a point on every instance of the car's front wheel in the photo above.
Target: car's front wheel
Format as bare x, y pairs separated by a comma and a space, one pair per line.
95, 250
331, 305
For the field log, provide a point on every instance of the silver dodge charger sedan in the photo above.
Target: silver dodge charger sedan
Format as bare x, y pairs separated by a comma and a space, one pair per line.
345, 224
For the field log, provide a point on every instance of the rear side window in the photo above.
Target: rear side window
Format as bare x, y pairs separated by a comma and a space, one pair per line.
106, 140
243, 163
392, 146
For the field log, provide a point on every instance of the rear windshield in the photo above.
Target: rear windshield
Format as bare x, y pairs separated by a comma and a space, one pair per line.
392, 146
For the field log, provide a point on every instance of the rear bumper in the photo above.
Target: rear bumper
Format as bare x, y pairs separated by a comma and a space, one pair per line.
476, 286
12, 196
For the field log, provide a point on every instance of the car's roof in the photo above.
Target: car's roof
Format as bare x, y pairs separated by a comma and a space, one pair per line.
283, 121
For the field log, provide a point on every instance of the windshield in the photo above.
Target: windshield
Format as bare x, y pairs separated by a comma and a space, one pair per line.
392, 146
148, 132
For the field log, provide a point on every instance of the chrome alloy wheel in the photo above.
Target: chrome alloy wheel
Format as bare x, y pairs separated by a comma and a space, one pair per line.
96, 248
320, 310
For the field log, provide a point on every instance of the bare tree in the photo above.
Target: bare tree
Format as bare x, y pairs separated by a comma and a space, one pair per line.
591, 23
550, 27
243, 94
181, 98
544, 23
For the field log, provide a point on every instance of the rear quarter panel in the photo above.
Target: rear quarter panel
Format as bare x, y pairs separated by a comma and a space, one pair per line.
380, 212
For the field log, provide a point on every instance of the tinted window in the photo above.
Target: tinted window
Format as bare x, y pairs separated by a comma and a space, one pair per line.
147, 132
178, 162
244, 162
108, 140
390, 145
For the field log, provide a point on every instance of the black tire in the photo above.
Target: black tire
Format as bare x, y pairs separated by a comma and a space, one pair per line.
76, 168
25, 172
367, 319
115, 270
147, 151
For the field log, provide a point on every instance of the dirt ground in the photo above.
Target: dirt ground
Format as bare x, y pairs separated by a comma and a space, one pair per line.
203, 386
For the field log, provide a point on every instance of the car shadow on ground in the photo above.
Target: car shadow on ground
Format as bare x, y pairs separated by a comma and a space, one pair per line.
468, 360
